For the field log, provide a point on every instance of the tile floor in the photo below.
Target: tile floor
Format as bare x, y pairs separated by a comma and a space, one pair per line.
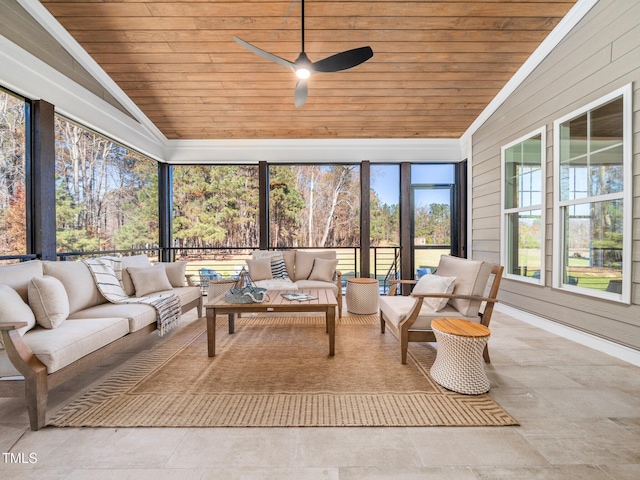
579, 411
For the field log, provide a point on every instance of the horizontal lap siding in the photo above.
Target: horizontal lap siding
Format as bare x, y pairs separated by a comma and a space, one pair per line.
601, 54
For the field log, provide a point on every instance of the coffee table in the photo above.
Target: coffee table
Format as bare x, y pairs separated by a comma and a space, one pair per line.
325, 302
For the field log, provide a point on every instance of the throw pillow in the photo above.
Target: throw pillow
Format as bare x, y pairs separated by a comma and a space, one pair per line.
323, 270
175, 273
149, 280
304, 262
435, 284
278, 268
259, 269
48, 300
134, 261
13, 309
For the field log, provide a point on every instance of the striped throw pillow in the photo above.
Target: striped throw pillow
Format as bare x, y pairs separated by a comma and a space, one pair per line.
278, 268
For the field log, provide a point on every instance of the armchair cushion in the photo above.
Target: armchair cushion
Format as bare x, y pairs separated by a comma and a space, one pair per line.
435, 284
471, 279
397, 307
49, 301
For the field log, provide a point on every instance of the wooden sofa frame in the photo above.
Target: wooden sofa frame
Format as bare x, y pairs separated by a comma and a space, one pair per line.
36, 383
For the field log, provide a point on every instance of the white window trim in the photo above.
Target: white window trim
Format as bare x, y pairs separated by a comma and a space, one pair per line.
542, 131
626, 93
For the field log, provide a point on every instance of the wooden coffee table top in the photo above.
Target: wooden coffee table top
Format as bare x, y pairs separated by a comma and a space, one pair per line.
324, 298
459, 327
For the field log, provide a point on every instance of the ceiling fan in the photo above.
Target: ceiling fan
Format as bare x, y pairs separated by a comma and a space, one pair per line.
304, 68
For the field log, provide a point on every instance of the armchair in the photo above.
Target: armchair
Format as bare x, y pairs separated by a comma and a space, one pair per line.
409, 317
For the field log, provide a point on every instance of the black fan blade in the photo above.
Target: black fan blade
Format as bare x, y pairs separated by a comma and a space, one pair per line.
343, 61
263, 54
301, 93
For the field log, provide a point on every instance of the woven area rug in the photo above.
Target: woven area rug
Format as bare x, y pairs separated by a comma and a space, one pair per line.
276, 371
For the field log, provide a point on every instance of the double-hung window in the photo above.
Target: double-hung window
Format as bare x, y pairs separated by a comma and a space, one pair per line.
523, 177
592, 197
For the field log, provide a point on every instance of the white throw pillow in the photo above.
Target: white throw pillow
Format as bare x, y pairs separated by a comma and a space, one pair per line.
48, 300
323, 270
435, 284
149, 280
13, 309
260, 269
175, 273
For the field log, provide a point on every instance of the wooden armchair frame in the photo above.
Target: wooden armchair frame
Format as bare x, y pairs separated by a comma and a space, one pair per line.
404, 332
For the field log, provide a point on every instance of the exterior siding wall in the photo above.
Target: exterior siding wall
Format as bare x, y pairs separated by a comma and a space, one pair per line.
601, 54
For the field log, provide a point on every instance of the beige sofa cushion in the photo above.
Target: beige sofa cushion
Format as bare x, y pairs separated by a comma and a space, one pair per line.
78, 282
149, 280
259, 268
175, 272
73, 339
434, 284
136, 261
13, 309
18, 276
49, 301
304, 262
323, 270
317, 284
138, 315
471, 279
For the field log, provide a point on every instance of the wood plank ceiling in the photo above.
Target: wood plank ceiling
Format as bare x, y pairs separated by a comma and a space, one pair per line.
436, 64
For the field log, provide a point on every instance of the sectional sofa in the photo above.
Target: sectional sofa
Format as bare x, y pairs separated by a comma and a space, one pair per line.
296, 270
54, 322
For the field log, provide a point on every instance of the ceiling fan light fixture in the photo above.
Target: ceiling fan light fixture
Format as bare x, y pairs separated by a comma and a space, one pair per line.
303, 73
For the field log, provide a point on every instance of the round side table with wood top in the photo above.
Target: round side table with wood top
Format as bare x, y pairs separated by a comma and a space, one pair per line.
459, 365
363, 295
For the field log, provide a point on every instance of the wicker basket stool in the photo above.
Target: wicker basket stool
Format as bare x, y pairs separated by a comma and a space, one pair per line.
362, 296
459, 365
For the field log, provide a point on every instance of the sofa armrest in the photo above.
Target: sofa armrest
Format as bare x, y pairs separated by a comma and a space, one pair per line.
18, 351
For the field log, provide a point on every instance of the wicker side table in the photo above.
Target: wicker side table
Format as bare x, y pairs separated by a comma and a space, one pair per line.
362, 296
459, 365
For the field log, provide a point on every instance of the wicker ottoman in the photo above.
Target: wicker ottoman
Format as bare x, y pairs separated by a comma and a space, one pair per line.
459, 365
362, 296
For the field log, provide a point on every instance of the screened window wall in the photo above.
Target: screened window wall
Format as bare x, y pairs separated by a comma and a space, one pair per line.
433, 193
13, 191
106, 195
216, 217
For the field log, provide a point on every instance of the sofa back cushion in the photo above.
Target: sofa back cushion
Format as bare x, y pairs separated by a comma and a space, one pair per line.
471, 279
18, 276
13, 309
289, 257
135, 261
49, 301
78, 282
304, 262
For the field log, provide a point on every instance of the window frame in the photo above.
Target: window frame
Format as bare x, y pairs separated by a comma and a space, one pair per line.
505, 212
626, 93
